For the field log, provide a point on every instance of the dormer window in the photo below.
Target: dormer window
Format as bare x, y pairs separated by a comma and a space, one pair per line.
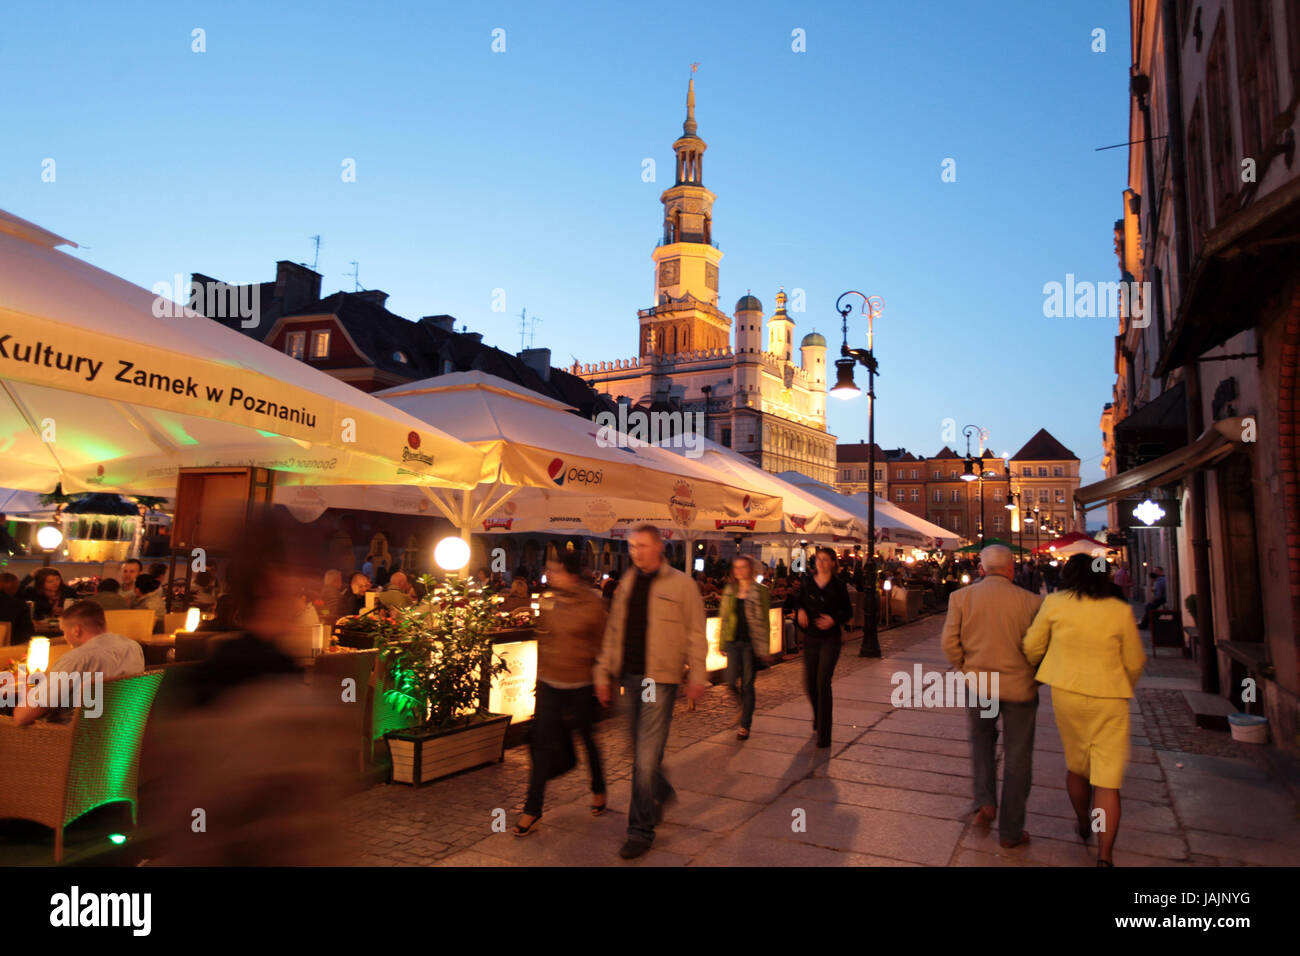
401, 357
320, 345
295, 345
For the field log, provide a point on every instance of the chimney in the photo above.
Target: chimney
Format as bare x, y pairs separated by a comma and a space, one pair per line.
477, 337
373, 296
297, 288
539, 360
445, 322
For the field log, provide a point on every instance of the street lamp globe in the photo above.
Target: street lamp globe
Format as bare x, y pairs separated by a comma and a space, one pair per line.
49, 538
845, 387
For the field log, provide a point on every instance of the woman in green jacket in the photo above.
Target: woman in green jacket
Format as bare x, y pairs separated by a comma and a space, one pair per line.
744, 613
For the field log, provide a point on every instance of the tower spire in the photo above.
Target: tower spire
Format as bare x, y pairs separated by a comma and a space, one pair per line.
689, 127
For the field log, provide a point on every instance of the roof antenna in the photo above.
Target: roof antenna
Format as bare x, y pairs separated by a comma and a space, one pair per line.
316, 258
356, 276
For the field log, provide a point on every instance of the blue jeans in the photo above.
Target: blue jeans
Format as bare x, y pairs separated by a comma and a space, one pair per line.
740, 667
650, 723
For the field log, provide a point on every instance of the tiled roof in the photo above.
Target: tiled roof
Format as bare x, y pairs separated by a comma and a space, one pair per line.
1043, 447
856, 452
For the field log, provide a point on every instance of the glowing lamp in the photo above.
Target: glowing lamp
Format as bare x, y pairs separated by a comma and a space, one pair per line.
49, 538
965, 579
452, 553
888, 585
38, 654
192, 618
117, 839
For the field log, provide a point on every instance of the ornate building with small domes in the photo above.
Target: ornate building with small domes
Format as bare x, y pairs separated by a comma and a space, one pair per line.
755, 399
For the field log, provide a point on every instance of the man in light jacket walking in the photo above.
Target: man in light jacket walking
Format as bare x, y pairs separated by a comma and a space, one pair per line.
982, 634
655, 633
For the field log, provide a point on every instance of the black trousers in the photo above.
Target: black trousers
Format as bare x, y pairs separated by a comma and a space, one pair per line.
819, 657
557, 714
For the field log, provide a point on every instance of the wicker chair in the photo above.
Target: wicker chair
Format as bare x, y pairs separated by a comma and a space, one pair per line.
55, 772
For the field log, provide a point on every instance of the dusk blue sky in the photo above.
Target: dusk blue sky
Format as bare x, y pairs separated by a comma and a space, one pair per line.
522, 170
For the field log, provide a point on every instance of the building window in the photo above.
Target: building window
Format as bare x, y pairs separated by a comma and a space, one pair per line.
1196, 176
400, 358
955, 522
936, 475
1059, 495
1042, 496
1042, 471
938, 495
1255, 75
997, 522
862, 474
295, 345
956, 494
320, 345
880, 474
916, 494
913, 474
898, 475
899, 495
1058, 472
1027, 472
953, 473
846, 475
1223, 167
726, 437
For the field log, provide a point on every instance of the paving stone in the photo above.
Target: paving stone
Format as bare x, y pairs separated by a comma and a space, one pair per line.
866, 830
756, 851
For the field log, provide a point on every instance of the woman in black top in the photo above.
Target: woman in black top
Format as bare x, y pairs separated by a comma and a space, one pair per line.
821, 609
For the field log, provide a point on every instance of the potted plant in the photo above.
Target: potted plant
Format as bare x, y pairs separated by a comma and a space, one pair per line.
439, 658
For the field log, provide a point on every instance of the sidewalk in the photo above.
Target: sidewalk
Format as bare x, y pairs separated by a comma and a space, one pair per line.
893, 790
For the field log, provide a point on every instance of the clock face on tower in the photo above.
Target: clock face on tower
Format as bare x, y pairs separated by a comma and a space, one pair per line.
669, 272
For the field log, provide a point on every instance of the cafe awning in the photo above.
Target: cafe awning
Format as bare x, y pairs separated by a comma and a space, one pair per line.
551, 470
893, 524
1218, 441
106, 386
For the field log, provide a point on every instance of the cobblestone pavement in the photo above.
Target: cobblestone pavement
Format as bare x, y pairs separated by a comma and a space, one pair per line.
893, 790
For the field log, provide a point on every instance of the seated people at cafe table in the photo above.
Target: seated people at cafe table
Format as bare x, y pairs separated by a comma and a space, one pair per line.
398, 593
150, 596
14, 610
95, 650
130, 570
47, 594
108, 595
354, 601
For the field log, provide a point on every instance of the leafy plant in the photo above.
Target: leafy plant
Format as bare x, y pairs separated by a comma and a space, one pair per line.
1189, 602
439, 652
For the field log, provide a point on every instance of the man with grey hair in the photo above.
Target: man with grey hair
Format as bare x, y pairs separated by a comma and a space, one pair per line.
982, 634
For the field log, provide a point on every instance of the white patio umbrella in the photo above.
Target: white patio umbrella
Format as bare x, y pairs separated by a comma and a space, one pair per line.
105, 386
551, 470
805, 516
892, 523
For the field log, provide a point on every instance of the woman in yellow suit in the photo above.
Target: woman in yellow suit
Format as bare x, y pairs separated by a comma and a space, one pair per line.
1087, 640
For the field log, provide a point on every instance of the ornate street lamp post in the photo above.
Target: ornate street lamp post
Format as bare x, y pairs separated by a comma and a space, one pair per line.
845, 388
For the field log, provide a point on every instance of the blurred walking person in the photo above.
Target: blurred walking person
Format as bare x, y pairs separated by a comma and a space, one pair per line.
1092, 657
655, 632
822, 608
570, 632
745, 634
982, 634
